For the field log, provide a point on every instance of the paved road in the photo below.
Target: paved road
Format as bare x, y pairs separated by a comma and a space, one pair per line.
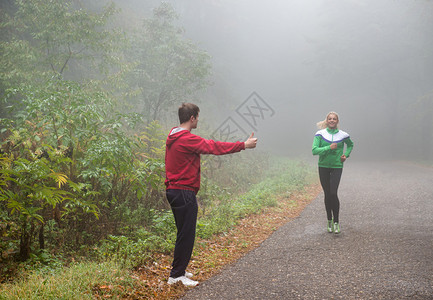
385, 250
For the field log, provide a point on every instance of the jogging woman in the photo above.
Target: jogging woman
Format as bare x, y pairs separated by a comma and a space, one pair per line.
329, 145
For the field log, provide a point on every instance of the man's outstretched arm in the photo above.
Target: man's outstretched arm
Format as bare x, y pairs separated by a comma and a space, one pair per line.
202, 146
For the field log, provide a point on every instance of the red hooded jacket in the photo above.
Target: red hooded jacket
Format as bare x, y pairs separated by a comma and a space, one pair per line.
182, 157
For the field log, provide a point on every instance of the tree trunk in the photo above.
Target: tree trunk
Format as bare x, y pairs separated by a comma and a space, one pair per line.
25, 241
41, 237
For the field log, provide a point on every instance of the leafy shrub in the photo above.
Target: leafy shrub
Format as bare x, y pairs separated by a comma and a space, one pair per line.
136, 248
66, 156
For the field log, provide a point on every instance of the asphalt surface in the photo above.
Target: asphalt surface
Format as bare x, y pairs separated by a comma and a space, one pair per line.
385, 250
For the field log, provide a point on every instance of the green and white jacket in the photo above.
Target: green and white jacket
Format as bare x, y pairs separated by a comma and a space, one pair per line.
323, 139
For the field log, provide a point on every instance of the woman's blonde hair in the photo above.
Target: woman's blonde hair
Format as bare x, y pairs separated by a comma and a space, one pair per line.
323, 124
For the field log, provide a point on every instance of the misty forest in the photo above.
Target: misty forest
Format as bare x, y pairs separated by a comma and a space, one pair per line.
90, 89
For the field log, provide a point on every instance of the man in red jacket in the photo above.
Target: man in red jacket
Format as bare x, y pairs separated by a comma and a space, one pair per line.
182, 166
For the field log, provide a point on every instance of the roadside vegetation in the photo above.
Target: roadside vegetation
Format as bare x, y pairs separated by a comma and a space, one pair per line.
116, 266
84, 114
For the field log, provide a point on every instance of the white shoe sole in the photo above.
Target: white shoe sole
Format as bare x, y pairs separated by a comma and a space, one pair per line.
185, 281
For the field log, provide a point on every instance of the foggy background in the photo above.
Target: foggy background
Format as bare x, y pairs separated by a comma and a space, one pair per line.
370, 61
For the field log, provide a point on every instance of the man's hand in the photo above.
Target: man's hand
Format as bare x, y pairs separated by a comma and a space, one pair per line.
343, 158
334, 146
251, 142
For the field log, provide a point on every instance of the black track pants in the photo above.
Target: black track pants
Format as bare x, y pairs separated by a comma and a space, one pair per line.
184, 206
330, 179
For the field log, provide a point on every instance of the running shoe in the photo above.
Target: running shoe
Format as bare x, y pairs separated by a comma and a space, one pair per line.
330, 226
337, 228
185, 281
188, 274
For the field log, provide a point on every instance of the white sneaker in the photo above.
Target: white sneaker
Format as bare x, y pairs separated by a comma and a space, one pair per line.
188, 274
185, 281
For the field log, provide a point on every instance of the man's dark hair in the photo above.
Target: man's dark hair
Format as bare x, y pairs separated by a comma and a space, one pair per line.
186, 110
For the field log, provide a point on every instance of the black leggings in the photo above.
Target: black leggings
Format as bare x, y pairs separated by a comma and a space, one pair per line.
330, 179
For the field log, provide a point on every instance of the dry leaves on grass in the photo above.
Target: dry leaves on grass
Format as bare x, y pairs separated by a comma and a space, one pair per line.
210, 256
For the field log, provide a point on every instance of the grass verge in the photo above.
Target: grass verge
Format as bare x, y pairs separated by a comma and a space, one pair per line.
88, 280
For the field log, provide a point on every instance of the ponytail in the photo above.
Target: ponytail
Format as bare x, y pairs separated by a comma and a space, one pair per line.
321, 124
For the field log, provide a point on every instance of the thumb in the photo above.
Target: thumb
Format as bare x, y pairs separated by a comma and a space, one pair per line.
251, 136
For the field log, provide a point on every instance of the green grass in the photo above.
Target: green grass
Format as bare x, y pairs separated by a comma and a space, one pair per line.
79, 281
282, 179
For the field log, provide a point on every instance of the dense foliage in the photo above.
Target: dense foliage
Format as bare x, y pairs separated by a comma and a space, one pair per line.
68, 159
76, 166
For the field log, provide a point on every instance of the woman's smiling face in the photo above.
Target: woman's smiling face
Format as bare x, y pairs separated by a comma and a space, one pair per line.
332, 121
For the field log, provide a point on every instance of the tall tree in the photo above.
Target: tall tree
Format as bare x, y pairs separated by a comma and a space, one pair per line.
46, 37
169, 68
